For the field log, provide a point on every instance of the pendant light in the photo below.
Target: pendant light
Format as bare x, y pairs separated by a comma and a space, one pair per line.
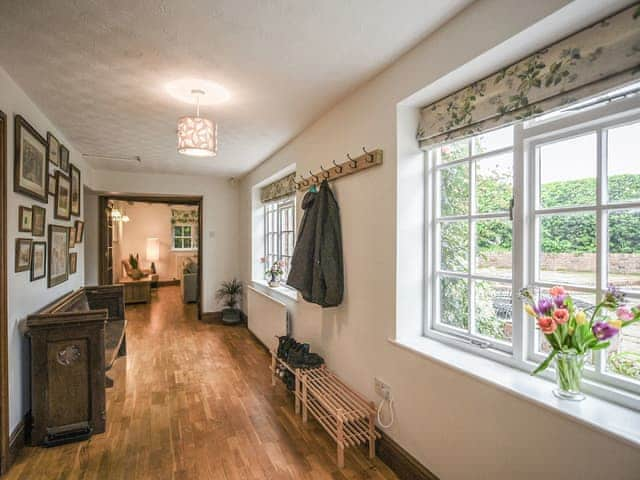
197, 136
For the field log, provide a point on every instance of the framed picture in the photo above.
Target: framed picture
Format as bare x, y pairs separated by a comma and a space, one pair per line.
72, 237
58, 255
76, 189
52, 185
73, 262
23, 254
79, 231
53, 149
25, 219
38, 260
31, 169
39, 220
62, 204
64, 158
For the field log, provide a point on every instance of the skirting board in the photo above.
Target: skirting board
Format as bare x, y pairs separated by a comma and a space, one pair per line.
403, 464
17, 442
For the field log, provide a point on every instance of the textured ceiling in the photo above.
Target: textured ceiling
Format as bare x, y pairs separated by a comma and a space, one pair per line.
98, 68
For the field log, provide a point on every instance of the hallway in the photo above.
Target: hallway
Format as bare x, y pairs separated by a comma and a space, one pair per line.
194, 401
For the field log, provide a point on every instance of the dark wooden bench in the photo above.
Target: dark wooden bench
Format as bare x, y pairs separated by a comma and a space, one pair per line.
74, 342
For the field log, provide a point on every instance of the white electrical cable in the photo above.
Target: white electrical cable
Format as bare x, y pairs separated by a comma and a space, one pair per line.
382, 424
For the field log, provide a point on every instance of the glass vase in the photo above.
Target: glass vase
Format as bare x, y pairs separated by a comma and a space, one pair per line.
569, 367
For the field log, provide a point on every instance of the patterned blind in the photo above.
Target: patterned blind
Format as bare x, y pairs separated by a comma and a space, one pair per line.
280, 188
588, 63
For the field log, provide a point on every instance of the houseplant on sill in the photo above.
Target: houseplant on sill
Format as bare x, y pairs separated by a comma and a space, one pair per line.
275, 273
229, 293
572, 334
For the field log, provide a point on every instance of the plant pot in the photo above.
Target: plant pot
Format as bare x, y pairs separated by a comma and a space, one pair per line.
569, 376
136, 274
231, 316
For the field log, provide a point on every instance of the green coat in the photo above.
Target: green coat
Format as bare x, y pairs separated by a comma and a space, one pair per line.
316, 267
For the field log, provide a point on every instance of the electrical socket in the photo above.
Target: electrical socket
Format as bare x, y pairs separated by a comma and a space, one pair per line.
382, 389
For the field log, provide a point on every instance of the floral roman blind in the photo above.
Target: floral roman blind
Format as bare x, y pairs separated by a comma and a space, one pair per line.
585, 64
278, 189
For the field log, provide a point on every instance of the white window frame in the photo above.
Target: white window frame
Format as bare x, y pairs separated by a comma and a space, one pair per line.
527, 137
277, 207
194, 245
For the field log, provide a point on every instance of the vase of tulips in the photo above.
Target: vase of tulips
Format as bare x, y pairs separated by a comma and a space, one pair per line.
573, 333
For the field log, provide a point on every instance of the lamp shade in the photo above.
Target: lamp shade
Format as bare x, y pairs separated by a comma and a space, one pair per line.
153, 249
197, 137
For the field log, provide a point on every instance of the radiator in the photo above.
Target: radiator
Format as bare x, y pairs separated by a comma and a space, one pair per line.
268, 318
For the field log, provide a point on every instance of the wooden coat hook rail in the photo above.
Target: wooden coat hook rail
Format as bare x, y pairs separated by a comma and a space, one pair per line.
338, 170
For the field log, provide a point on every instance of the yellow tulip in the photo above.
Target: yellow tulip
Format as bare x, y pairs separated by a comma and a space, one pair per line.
529, 309
615, 323
581, 318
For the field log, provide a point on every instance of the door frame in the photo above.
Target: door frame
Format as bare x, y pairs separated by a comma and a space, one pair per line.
168, 199
4, 318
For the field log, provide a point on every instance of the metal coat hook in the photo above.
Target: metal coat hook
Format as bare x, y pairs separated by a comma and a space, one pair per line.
304, 181
298, 185
325, 173
369, 154
316, 179
338, 167
354, 163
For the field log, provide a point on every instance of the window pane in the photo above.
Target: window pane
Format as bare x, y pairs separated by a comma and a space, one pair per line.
454, 151
493, 248
454, 302
493, 310
177, 243
494, 140
494, 183
454, 190
186, 243
186, 231
622, 164
568, 249
624, 249
177, 231
454, 246
568, 172
623, 357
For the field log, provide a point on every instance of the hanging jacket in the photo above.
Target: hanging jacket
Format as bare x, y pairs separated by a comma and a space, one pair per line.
316, 267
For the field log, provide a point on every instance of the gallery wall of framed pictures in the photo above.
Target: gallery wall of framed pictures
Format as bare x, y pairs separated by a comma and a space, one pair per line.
43, 168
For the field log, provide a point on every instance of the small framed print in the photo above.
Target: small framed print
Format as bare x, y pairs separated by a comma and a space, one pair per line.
64, 158
79, 231
58, 255
38, 260
53, 149
30, 168
62, 204
73, 262
51, 188
76, 189
72, 237
25, 219
23, 254
39, 220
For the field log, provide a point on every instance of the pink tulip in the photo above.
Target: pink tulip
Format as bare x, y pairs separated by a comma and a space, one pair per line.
561, 316
624, 313
547, 325
557, 291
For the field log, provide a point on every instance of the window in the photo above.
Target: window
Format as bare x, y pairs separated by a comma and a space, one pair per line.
574, 220
279, 234
183, 237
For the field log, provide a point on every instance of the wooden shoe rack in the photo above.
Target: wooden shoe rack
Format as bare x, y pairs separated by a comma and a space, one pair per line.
347, 416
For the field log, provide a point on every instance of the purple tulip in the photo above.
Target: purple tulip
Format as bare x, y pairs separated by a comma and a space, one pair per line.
603, 330
544, 306
559, 301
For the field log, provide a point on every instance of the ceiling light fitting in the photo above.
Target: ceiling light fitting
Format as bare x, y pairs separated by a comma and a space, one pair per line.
197, 136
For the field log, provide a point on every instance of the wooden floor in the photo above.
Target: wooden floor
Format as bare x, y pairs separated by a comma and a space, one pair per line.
194, 401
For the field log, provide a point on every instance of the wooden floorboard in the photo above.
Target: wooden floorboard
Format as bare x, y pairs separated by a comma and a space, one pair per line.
193, 400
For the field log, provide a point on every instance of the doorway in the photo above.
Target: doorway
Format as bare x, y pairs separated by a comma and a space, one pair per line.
169, 249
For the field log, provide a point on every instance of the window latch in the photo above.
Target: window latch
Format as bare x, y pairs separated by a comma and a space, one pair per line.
479, 343
511, 205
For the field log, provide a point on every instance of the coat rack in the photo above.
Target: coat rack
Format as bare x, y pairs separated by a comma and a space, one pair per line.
352, 165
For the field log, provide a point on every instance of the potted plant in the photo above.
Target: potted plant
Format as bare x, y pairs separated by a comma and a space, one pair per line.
275, 273
229, 293
136, 273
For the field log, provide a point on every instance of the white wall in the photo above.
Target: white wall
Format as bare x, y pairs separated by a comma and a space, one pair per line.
219, 214
26, 297
457, 426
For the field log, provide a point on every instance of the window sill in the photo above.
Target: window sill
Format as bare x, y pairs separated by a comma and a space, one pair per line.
279, 293
614, 420
184, 250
